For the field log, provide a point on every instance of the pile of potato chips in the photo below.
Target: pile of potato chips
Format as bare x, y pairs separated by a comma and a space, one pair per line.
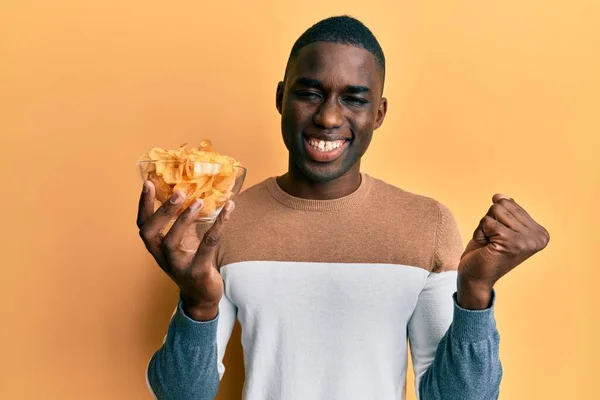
199, 172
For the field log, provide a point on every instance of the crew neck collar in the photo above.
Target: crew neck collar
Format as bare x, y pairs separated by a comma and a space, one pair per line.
299, 203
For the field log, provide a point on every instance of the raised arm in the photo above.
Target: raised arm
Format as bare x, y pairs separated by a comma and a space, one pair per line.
465, 363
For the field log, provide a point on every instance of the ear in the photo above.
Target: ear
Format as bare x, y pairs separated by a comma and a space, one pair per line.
381, 111
279, 96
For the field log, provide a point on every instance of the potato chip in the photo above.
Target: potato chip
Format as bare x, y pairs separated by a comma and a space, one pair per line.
171, 172
206, 145
163, 190
224, 183
198, 172
210, 203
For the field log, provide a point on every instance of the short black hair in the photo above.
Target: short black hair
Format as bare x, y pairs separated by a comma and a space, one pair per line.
344, 30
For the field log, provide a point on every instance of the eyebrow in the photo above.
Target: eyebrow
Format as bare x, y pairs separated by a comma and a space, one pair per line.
309, 82
355, 89
317, 84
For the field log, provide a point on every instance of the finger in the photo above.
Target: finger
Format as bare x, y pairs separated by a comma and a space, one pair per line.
486, 234
479, 238
515, 209
488, 228
152, 229
173, 240
499, 196
500, 213
534, 229
146, 204
210, 241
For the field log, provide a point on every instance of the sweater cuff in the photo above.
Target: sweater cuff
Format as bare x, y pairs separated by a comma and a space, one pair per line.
194, 330
473, 325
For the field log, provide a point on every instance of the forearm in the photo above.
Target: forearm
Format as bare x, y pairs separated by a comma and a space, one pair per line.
185, 367
466, 364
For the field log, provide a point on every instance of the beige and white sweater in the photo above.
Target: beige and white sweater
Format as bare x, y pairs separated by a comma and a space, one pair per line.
330, 295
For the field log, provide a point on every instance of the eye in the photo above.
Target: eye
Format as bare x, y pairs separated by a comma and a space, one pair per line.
355, 101
308, 95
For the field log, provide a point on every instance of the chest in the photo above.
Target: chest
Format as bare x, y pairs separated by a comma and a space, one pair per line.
335, 295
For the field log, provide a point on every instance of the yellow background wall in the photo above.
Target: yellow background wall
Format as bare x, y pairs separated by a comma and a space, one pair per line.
484, 97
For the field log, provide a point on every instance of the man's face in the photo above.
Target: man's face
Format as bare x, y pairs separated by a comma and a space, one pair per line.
330, 104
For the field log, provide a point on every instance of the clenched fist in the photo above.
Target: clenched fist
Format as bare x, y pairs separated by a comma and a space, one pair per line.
506, 236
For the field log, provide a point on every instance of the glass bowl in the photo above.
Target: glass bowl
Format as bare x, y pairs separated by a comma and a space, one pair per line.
212, 182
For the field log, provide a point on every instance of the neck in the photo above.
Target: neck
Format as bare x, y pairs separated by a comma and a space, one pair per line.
296, 184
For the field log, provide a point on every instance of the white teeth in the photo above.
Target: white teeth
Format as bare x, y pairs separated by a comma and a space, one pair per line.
324, 146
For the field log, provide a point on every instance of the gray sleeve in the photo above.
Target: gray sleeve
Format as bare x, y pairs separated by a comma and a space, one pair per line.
455, 351
189, 363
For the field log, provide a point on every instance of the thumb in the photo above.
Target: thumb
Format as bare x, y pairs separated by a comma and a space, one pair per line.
478, 241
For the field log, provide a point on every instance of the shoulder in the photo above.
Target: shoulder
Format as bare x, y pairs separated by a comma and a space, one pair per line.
418, 219
389, 196
254, 196
254, 207
256, 190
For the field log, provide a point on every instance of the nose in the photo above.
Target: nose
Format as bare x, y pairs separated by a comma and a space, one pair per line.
329, 115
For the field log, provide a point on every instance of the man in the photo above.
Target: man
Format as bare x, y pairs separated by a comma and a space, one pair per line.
330, 271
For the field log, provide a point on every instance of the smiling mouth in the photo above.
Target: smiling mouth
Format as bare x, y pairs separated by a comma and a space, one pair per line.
324, 150
325, 145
